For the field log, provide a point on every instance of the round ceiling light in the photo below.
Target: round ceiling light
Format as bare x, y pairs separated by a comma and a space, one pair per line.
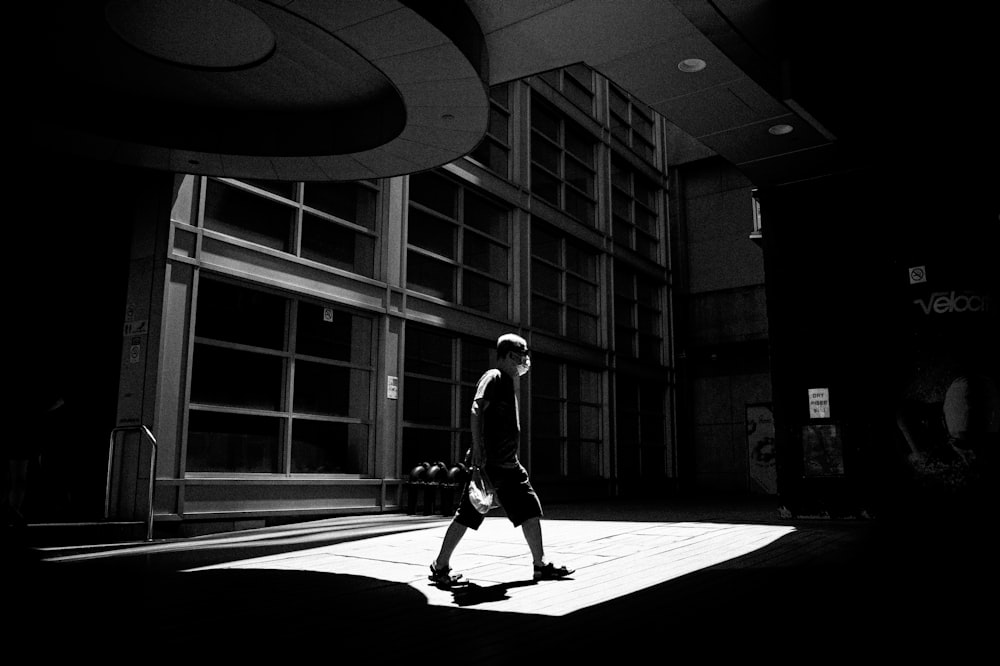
691, 65
778, 130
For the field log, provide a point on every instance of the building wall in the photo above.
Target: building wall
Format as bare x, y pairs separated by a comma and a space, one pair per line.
315, 341
724, 331
66, 276
850, 314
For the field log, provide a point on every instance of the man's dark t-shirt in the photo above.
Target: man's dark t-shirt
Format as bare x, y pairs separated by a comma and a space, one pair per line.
501, 423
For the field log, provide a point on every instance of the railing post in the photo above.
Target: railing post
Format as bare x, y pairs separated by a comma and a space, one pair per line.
145, 434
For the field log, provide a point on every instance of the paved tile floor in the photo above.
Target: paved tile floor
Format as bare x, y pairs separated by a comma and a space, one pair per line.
653, 580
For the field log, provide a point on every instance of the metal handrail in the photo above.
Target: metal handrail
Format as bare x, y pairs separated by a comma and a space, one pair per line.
152, 474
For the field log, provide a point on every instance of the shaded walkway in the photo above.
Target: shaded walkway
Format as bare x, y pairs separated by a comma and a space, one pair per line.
819, 589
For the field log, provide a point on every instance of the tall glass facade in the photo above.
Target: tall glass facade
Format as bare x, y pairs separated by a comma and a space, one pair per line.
331, 334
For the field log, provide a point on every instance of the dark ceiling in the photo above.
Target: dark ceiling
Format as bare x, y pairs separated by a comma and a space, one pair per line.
353, 89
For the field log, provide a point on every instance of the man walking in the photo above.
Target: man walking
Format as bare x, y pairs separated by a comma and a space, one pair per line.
496, 436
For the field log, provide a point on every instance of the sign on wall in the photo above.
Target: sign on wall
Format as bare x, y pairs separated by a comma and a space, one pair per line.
819, 403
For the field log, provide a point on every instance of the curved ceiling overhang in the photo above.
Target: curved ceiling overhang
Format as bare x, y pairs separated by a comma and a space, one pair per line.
282, 89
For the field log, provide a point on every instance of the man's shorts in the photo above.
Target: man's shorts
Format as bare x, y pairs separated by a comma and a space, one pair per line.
514, 492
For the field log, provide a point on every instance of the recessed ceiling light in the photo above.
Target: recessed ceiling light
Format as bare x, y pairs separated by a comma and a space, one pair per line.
691, 65
778, 130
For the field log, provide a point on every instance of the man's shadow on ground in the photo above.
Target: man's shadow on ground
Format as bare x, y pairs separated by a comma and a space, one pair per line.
471, 594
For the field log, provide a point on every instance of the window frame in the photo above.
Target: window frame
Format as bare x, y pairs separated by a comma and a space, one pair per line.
633, 234
300, 214
285, 412
566, 161
501, 106
628, 286
458, 265
461, 380
625, 123
563, 403
561, 301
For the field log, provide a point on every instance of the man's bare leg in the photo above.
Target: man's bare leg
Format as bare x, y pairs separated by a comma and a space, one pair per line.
532, 529
543, 570
451, 539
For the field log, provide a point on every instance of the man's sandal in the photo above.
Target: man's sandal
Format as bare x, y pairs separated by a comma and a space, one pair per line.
444, 577
551, 572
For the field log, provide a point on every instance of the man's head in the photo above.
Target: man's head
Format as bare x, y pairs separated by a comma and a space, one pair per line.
513, 354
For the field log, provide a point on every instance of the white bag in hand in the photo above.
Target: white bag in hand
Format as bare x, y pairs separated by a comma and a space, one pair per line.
482, 494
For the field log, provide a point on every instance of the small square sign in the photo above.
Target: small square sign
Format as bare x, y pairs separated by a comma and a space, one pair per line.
918, 274
819, 403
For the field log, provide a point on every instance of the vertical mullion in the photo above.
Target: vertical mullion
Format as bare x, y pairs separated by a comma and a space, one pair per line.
455, 436
563, 319
291, 333
296, 239
460, 240
563, 423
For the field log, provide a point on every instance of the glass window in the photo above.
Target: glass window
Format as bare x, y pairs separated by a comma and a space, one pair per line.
263, 362
335, 245
638, 316
472, 258
440, 375
562, 162
580, 145
493, 151
237, 378
421, 445
432, 233
545, 243
430, 276
641, 422
580, 292
635, 222
325, 332
545, 120
545, 279
219, 442
434, 192
322, 389
546, 186
564, 284
632, 124
326, 447
483, 215
335, 221
581, 260
232, 313
547, 155
244, 215
618, 103
580, 177
486, 256
427, 401
546, 314
281, 188
428, 352
575, 82
484, 294
567, 420
352, 202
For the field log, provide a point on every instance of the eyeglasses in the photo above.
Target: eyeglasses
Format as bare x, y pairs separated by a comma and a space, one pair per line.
522, 355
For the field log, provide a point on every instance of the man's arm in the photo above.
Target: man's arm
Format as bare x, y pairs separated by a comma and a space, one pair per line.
478, 444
